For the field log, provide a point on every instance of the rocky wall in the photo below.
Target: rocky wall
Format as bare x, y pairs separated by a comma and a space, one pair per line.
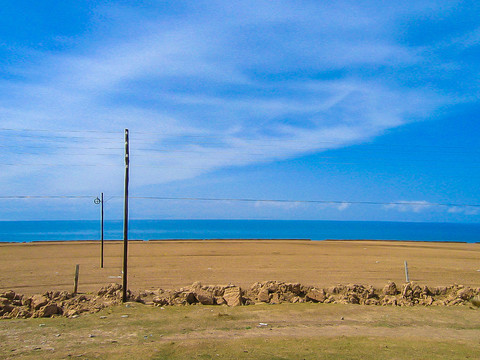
63, 303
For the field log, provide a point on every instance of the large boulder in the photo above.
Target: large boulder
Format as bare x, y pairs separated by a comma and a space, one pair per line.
390, 289
6, 308
10, 295
204, 297
263, 295
38, 301
233, 296
49, 310
316, 295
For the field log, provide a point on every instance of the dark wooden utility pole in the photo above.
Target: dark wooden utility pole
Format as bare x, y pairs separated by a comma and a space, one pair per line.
101, 226
125, 220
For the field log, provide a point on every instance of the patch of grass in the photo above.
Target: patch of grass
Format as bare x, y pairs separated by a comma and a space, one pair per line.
294, 331
315, 348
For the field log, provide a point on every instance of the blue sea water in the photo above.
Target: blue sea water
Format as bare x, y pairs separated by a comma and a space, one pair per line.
27, 231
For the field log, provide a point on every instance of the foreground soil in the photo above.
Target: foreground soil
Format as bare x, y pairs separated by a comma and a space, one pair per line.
284, 331
38, 267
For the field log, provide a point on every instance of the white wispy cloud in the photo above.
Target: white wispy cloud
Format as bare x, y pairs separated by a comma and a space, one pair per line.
463, 210
422, 205
212, 71
409, 206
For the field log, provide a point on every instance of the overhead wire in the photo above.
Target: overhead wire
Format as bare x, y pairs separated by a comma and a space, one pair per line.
222, 137
248, 200
336, 202
46, 196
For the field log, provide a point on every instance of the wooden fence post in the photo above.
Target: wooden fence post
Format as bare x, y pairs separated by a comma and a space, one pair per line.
75, 284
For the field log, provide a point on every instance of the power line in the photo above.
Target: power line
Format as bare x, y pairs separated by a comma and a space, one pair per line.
333, 202
47, 147
62, 131
58, 137
48, 197
57, 154
79, 165
225, 137
249, 200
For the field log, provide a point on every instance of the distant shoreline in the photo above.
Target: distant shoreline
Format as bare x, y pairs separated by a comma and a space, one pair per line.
175, 230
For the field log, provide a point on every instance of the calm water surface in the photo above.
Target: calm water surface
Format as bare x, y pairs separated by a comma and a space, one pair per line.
26, 231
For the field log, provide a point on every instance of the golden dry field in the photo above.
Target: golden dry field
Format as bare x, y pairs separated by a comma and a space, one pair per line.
37, 267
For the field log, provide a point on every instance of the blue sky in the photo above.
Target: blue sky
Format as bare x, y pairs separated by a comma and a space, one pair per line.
346, 100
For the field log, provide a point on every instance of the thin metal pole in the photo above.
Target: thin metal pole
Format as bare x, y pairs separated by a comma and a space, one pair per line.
101, 200
125, 220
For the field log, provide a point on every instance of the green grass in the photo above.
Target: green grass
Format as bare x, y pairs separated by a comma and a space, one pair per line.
294, 331
315, 348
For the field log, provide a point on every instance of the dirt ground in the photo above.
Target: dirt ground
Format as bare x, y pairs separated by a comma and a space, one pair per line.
284, 331
37, 267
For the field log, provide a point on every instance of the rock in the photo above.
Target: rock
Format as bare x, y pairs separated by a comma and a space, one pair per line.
407, 291
109, 290
49, 310
276, 299
427, 301
389, 300
263, 295
271, 286
182, 297
426, 291
6, 309
440, 290
204, 297
334, 289
160, 300
71, 313
316, 295
4, 301
330, 299
196, 285
219, 300
287, 296
353, 299
38, 301
10, 295
416, 291
372, 302
233, 296
465, 294
190, 297
390, 289
294, 288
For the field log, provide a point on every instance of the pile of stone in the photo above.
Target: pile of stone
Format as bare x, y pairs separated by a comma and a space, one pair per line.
52, 303
63, 303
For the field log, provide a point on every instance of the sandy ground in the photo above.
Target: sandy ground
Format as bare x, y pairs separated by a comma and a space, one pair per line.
38, 267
